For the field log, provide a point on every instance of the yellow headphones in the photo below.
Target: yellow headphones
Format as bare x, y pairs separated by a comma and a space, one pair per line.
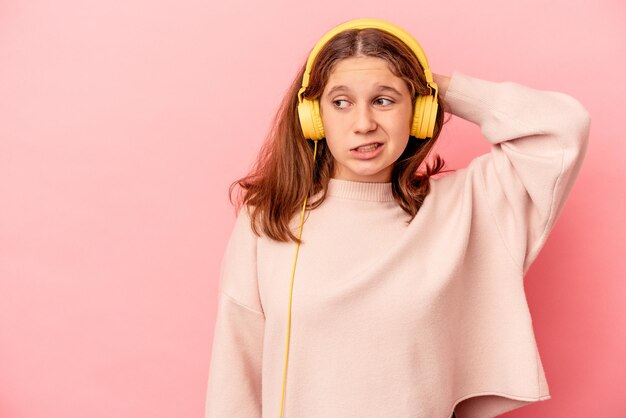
425, 106
422, 127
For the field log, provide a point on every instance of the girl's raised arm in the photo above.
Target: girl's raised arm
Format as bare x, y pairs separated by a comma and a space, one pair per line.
539, 139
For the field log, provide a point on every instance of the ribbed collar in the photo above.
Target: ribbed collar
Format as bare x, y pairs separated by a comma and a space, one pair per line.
377, 192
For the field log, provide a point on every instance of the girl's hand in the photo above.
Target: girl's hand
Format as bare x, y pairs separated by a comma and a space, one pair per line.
442, 83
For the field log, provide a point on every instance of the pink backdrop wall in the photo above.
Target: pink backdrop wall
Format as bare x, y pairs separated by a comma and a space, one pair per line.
123, 123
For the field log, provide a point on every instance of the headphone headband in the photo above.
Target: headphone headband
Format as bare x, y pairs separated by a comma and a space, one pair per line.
363, 23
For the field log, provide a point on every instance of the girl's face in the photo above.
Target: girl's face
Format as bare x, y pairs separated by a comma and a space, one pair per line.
363, 102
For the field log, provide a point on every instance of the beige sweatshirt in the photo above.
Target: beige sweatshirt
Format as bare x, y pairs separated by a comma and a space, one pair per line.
391, 320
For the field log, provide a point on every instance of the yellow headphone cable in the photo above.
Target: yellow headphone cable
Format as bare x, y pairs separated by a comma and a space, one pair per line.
293, 271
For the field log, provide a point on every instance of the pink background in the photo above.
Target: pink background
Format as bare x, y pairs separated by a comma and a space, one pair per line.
123, 123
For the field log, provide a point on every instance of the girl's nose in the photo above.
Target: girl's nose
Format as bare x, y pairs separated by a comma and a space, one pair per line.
365, 121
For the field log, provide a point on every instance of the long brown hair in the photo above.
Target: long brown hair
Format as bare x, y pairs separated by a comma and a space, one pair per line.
285, 172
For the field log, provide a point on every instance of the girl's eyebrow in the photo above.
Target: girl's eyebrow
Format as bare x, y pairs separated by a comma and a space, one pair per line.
380, 87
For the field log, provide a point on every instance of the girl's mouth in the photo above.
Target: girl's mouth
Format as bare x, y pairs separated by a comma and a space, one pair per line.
368, 151
369, 147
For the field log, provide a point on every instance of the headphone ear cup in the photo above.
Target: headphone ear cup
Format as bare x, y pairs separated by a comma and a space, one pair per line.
424, 117
418, 116
430, 116
317, 121
310, 119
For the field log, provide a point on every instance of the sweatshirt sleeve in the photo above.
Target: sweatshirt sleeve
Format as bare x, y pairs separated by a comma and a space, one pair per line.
539, 139
234, 382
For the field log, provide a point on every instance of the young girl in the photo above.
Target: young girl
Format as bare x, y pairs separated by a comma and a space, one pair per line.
405, 296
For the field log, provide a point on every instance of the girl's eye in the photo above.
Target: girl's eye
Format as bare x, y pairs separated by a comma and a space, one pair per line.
336, 101
377, 100
384, 98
